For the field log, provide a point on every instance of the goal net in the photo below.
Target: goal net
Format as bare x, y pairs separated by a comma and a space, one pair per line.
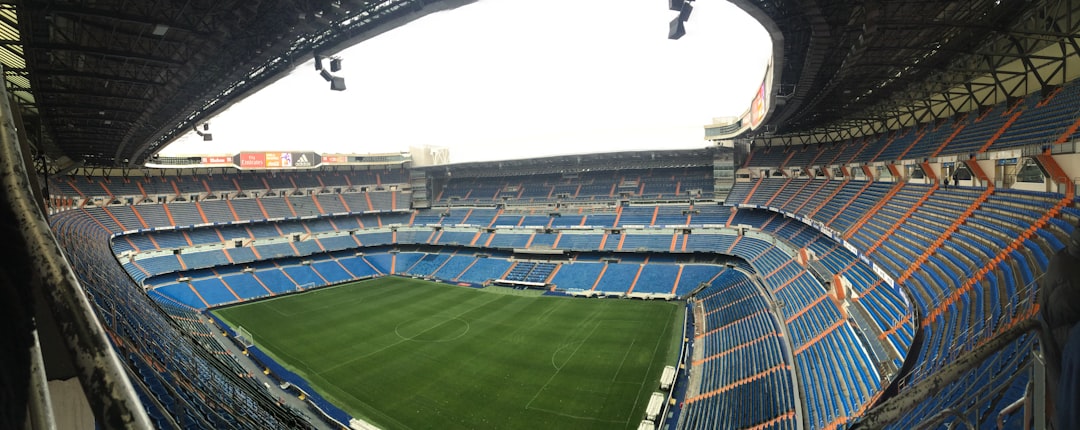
244, 337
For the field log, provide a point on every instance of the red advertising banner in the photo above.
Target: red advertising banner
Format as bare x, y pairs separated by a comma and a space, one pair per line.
334, 159
217, 159
252, 160
758, 107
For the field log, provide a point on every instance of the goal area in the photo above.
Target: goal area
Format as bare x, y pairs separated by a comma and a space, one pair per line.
244, 337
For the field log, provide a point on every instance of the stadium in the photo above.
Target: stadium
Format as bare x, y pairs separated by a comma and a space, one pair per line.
866, 246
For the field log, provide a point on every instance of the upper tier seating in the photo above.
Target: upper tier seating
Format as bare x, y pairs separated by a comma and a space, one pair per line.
641, 184
1037, 119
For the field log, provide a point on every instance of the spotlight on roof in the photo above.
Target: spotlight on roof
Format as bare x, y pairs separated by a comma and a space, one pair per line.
676, 29
684, 12
206, 137
337, 83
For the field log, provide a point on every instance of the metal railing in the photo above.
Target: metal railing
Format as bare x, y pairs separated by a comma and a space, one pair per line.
910, 398
101, 373
975, 335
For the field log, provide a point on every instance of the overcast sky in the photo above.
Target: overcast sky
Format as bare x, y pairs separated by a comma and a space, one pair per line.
509, 79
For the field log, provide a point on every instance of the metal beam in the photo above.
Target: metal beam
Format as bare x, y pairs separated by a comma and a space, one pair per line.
41, 72
105, 52
50, 91
89, 117
1031, 33
85, 129
64, 8
52, 108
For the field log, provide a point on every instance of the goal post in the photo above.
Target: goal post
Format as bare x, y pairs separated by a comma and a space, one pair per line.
244, 337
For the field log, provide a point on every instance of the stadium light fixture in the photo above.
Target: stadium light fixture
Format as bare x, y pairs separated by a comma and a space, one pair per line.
337, 83
676, 29
206, 137
684, 12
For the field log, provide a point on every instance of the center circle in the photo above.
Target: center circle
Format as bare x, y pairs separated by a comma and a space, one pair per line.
433, 329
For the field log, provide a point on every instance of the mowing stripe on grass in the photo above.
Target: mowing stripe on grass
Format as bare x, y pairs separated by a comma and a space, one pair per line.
406, 353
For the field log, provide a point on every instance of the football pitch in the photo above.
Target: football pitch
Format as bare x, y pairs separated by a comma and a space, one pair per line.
411, 354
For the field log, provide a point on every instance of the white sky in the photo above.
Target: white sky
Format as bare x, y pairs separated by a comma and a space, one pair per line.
510, 79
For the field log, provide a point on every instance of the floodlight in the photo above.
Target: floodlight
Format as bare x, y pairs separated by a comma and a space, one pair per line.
676, 29
684, 12
337, 83
206, 137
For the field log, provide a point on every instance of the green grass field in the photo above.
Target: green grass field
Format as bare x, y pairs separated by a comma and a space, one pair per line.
404, 353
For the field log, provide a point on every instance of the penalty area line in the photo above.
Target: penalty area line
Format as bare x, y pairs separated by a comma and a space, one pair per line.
557, 370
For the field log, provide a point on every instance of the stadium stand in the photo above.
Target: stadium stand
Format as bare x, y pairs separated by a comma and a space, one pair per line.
839, 359
213, 393
742, 360
813, 334
892, 223
871, 266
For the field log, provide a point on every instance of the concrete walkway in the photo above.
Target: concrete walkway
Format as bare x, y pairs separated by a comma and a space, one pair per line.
271, 385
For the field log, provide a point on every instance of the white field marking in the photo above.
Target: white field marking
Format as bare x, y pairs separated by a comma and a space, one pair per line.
553, 375
413, 338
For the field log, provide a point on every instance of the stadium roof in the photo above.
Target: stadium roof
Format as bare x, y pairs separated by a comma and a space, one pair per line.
109, 82
856, 68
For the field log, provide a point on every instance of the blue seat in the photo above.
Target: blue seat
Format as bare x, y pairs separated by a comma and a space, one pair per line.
1025, 270
1037, 251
